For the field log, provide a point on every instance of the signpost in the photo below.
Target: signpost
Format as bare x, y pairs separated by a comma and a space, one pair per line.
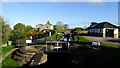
28, 41
96, 43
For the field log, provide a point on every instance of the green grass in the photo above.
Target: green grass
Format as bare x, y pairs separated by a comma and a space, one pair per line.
82, 39
53, 37
6, 49
107, 58
38, 46
110, 45
83, 31
102, 44
8, 62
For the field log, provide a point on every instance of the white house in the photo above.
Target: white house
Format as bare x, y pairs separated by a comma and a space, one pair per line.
104, 29
47, 26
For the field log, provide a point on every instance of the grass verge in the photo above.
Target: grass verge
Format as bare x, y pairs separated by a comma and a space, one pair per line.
109, 45
82, 39
8, 62
53, 37
39, 46
6, 49
109, 57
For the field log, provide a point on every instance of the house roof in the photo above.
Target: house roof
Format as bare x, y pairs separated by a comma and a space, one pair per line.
48, 23
103, 25
39, 25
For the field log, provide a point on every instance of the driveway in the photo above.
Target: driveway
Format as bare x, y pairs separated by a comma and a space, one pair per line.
106, 40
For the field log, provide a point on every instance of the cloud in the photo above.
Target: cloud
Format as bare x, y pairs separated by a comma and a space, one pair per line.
60, 0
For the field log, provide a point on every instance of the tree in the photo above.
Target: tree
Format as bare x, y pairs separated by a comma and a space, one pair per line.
18, 32
16, 35
59, 25
21, 31
28, 28
6, 30
19, 27
66, 26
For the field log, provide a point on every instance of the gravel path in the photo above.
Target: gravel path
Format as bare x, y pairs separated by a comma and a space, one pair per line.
7, 54
106, 40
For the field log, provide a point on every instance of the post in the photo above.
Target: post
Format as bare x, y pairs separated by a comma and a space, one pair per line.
46, 46
49, 33
45, 37
56, 37
57, 45
68, 45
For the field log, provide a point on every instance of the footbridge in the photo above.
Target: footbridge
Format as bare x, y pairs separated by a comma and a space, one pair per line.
57, 45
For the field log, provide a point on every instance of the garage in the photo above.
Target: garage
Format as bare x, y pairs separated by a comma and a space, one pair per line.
104, 29
109, 33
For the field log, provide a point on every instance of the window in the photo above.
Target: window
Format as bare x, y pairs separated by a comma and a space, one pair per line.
47, 27
100, 31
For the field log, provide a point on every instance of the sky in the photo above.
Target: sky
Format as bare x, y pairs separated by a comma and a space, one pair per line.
75, 14
60, 0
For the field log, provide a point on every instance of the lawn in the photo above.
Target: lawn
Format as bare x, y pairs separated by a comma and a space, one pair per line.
6, 49
53, 37
102, 44
82, 39
107, 58
8, 62
109, 45
39, 46
81, 31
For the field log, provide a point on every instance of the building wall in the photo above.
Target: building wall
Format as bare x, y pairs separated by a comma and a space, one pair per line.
50, 27
102, 32
46, 26
98, 30
116, 32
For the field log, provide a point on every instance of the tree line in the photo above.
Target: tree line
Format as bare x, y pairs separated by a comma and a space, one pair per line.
21, 31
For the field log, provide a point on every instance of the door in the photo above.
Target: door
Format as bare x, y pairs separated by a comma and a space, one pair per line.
109, 33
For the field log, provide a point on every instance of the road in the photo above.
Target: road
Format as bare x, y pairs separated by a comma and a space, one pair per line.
106, 40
